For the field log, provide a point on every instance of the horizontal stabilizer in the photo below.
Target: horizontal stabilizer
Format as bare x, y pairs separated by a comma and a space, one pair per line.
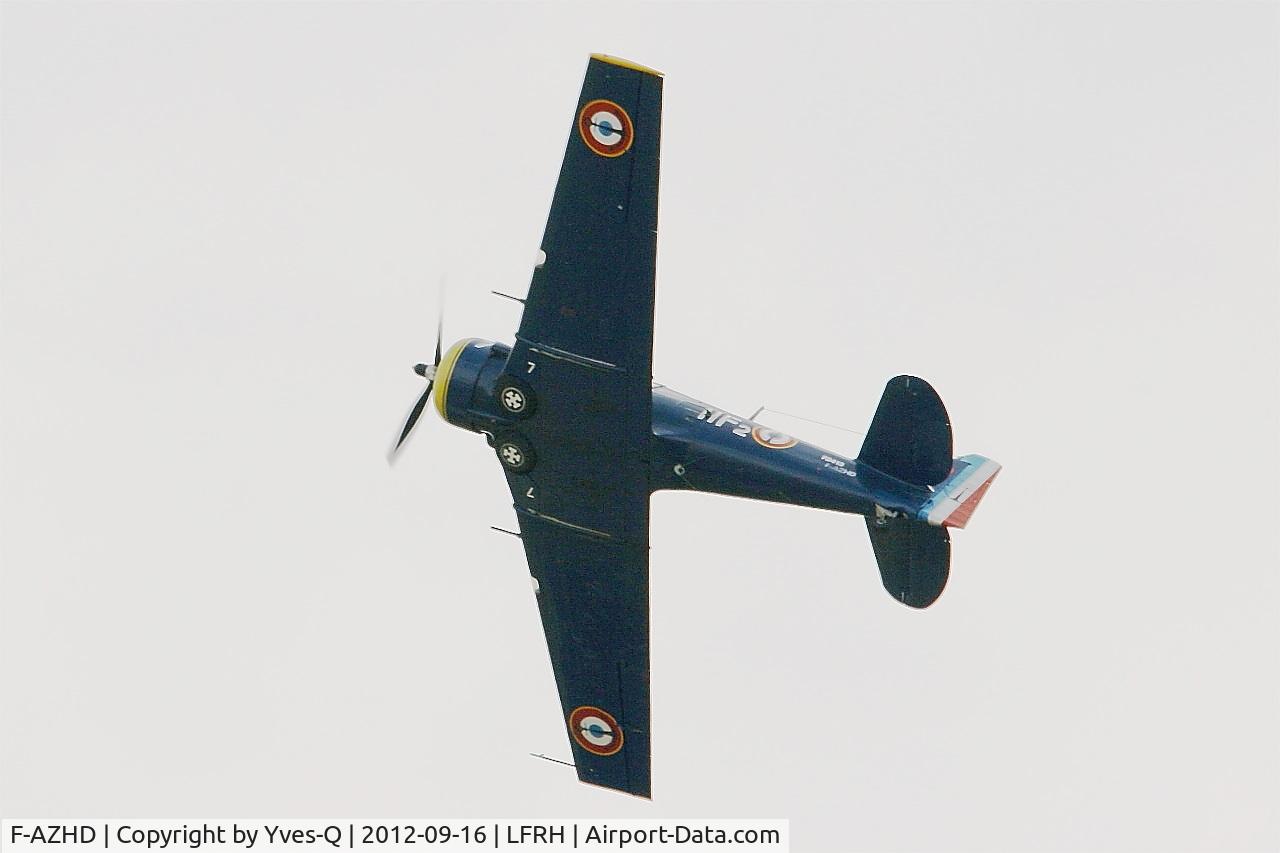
914, 559
910, 435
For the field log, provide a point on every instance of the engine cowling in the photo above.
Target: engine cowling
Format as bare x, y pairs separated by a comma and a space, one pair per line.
466, 383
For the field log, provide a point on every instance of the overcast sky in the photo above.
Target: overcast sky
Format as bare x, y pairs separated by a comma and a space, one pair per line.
222, 229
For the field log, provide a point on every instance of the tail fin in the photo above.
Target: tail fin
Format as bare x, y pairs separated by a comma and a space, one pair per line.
910, 435
914, 554
914, 559
953, 502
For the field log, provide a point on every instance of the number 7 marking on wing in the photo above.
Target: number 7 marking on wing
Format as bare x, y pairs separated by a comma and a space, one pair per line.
531, 366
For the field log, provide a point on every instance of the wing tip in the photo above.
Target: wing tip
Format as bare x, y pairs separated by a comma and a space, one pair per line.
644, 794
625, 63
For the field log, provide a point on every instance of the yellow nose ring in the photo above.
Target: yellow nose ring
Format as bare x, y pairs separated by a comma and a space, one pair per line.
445, 372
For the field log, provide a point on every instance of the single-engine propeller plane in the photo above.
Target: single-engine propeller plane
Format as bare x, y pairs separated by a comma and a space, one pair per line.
585, 436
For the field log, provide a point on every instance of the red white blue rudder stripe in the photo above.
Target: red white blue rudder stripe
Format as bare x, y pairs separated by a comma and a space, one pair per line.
955, 498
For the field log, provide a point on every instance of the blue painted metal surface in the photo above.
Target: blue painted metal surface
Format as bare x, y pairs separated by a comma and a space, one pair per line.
696, 446
585, 437
702, 448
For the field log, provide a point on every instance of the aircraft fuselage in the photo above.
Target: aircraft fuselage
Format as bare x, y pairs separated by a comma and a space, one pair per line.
702, 448
696, 446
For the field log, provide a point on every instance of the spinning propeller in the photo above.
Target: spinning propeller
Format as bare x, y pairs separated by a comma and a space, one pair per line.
427, 372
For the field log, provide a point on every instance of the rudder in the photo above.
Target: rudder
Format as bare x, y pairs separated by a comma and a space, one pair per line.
954, 500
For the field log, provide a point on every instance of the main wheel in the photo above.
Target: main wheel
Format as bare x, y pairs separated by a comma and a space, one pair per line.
515, 397
514, 453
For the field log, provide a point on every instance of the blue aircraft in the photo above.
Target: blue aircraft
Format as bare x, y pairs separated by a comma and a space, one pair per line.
585, 436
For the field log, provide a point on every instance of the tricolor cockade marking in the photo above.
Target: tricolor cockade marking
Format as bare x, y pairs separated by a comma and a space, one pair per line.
763, 436
772, 439
595, 730
606, 128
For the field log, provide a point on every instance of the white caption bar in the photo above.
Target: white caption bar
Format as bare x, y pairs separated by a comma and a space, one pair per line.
418, 836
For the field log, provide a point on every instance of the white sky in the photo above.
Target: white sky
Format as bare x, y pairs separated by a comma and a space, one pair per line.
222, 227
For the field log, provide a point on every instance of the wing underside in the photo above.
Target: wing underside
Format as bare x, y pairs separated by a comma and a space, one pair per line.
584, 354
593, 596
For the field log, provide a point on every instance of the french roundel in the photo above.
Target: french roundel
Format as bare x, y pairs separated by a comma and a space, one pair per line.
595, 730
772, 439
606, 128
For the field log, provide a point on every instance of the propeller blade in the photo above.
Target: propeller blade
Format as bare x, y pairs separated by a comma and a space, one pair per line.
440, 323
439, 333
428, 372
414, 415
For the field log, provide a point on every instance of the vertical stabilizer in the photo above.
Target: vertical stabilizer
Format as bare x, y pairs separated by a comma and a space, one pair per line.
954, 501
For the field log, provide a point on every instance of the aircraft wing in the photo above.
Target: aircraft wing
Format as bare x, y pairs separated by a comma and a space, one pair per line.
583, 354
592, 294
593, 595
